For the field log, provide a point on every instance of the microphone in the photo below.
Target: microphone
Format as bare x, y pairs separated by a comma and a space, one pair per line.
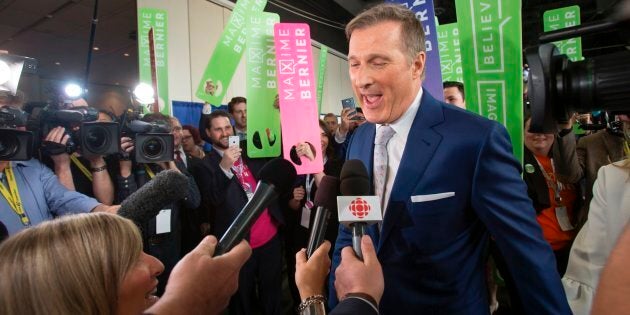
324, 200
145, 203
3, 232
274, 179
355, 207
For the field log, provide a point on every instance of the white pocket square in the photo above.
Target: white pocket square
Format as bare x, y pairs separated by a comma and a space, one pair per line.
431, 197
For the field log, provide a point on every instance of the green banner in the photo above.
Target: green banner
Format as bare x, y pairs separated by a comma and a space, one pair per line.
450, 55
263, 129
321, 76
563, 18
490, 38
158, 20
228, 52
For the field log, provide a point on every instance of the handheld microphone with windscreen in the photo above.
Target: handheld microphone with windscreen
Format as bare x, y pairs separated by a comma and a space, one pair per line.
325, 201
145, 203
356, 208
274, 179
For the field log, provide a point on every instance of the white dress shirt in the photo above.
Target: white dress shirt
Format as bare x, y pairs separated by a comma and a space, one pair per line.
396, 145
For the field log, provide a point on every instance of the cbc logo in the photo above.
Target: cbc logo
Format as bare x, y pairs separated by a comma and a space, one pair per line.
359, 208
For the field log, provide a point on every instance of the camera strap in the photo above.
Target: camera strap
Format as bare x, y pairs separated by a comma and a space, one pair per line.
149, 171
13, 196
81, 167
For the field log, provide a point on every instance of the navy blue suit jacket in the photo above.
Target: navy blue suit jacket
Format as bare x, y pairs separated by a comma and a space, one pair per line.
434, 253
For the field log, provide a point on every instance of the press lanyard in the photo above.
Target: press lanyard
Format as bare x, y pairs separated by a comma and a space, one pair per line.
555, 186
308, 186
81, 167
13, 196
149, 171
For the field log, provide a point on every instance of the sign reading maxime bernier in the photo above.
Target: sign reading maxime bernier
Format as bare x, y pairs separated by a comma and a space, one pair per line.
490, 42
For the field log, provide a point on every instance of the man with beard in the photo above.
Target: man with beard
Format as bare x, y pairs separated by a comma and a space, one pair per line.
227, 183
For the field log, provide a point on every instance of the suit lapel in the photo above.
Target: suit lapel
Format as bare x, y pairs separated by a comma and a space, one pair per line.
422, 142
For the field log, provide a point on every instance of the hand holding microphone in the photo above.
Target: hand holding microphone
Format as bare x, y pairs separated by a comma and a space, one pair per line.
275, 179
356, 208
354, 276
325, 202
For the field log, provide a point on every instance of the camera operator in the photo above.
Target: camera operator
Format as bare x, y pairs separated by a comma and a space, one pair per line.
162, 235
88, 175
31, 193
584, 160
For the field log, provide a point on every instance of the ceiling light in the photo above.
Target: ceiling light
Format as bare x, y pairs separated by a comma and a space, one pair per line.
126, 54
96, 48
58, 63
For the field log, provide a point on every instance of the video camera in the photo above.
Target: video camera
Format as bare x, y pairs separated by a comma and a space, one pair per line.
153, 141
15, 145
94, 138
557, 87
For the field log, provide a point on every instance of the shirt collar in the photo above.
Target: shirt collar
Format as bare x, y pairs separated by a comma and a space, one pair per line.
402, 125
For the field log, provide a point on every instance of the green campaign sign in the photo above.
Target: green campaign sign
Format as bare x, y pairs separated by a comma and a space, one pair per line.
157, 20
228, 52
263, 129
321, 75
490, 38
563, 18
450, 54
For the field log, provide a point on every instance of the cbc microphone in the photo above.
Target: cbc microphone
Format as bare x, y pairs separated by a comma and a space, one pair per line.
145, 203
356, 208
274, 179
325, 201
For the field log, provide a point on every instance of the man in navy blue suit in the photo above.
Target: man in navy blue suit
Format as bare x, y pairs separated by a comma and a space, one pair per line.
447, 179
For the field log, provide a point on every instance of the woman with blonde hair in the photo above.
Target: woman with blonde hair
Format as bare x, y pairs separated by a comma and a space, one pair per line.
79, 264
608, 215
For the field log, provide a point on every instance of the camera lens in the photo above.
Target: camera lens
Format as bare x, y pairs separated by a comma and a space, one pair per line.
153, 148
97, 139
8, 146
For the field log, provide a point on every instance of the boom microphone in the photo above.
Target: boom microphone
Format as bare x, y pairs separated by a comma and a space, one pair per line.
356, 208
275, 178
324, 200
165, 188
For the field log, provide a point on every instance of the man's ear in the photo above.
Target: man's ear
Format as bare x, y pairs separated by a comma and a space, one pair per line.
418, 64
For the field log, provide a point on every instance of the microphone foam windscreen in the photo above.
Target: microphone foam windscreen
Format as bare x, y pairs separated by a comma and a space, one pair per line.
354, 179
280, 173
326, 194
165, 188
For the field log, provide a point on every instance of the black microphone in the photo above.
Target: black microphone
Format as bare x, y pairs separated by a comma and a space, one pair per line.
356, 211
325, 198
4, 233
274, 179
145, 203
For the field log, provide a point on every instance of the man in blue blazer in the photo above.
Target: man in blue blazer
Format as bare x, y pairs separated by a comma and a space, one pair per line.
449, 183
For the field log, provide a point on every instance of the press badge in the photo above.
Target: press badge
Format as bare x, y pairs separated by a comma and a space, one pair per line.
163, 222
563, 219
305, 220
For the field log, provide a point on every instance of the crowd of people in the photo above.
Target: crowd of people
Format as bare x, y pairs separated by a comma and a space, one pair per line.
458, 209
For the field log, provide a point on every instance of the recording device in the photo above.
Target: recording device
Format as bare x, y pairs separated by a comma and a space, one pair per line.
325, 198
165, 188
350, 103
557, 86
233, 141
153, 141
356, 208
274, 179
15, 145
86, 135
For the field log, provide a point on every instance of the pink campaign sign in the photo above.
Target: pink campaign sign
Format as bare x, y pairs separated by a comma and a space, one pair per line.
296, 89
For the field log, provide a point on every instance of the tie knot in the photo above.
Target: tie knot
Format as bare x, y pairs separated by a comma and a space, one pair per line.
383, 134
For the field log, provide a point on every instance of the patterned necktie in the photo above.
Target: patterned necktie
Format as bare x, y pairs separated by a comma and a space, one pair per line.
178, 156
383, 134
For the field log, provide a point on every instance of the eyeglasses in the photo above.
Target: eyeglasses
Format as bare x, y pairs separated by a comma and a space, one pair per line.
186, 138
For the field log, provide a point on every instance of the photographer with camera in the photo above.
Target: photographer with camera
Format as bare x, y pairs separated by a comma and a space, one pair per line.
88, 174
161, 235
31, 193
